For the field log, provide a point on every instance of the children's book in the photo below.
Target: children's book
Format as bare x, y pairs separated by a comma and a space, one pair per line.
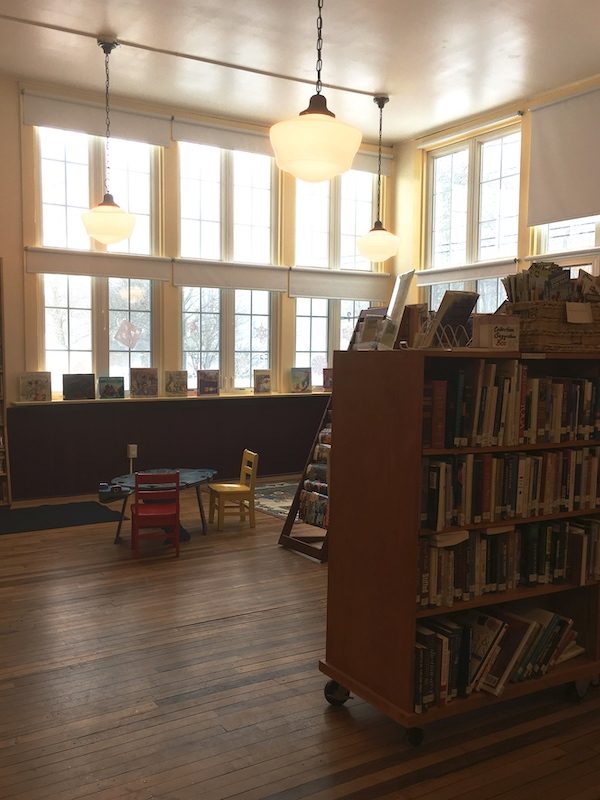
143, 382
111, 388
301, 379
79, 386
35, 386
451, 317
176, 382
208, 381
327, 379
262, 381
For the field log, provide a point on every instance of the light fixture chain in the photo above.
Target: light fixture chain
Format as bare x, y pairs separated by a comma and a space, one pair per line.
319, 45
107, 141
379, 163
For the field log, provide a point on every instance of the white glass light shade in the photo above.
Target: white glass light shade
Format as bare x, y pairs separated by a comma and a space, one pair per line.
107, 223
314, 147
378, 244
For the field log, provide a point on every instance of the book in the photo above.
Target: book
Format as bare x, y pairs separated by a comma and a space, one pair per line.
262, 381
79, 386
176, 382
327, 379
143, 382
207, 382
452, 315
111, 388
300, 379
35, 387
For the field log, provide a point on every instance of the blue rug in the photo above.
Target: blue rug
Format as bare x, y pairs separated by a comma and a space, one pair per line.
61, 515
275, 498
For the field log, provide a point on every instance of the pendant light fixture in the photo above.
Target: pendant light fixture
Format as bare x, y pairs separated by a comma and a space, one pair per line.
107, 223
315, 146
378, 244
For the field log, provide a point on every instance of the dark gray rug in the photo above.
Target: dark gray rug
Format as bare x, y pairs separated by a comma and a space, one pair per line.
61, 515
275, 498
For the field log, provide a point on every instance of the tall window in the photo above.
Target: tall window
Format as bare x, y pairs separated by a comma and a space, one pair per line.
312, 336
572, 234
130, 326
70, 166
201, 318
252, 208
473, 212
68, 326
65, 194
200, 201
252, 344
330, 218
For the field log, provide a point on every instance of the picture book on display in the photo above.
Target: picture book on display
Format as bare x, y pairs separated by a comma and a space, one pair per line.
262, 381
111, 388
143, 382
79, 386
176, 382
301, 379
327, 379
35, 386
452, 316
208, 381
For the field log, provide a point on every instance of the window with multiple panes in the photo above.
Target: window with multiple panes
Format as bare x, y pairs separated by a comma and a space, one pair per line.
330, 218
129, 325
68, 326
225, 329
473, 211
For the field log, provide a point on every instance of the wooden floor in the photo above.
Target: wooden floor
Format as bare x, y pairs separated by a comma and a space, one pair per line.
197, 679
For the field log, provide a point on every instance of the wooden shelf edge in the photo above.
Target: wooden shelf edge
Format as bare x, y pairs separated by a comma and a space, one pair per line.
582, 668
500, 523
498, 598
510, 448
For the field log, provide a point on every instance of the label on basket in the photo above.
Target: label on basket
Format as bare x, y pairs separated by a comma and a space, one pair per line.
580, 313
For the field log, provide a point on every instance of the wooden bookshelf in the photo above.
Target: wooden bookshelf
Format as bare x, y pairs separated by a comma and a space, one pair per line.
375, 526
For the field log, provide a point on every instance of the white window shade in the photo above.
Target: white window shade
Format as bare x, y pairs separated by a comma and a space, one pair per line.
466, 272
47, 260
227, 275
90, 118
340, 284
565, 168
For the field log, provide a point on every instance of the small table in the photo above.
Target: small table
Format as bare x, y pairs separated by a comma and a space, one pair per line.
187, 479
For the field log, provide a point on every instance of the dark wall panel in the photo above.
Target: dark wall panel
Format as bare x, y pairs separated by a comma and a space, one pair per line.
68, 448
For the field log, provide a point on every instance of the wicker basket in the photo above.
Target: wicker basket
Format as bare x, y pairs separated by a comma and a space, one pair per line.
544, 328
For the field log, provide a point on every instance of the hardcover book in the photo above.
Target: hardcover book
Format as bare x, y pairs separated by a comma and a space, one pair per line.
448, 327
208, 381
79, 386
143, 382
111, 388
35, 386
327, 379
301, 379
262, 381
176, 382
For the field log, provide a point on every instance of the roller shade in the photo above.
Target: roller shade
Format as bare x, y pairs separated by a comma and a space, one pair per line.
565, 168
467, 272
226, 275
74, 115
340, 284
99, 265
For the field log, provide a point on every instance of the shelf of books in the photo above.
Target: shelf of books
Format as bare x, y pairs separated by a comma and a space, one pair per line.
311, 501
5, 496
468, 482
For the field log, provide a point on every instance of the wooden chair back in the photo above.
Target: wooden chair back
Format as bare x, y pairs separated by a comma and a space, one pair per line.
160, 487
249, 470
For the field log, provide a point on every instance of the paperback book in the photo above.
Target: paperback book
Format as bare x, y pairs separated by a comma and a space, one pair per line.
79, 386
176, 382
301, 379
208, 382
262, 381
143, 382
35, 387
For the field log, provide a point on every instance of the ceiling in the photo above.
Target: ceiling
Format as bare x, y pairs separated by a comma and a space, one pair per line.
439, 61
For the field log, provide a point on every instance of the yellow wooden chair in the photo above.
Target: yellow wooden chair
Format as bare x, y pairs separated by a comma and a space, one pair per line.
235, 498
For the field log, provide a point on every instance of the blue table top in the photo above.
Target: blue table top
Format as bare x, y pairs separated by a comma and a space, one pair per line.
187, 477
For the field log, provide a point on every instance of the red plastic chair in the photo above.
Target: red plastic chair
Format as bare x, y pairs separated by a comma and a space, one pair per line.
155, 508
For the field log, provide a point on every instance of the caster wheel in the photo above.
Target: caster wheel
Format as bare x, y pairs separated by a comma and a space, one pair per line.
577, 690
415, 736
335, 694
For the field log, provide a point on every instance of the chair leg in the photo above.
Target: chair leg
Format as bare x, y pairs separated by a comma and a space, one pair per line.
251, 513
221, 516
242, 510
135, 542
176, 538
211, 506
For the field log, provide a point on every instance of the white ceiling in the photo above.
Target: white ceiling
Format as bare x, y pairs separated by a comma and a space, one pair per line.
439, 61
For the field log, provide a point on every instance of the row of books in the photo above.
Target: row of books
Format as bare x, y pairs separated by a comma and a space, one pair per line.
462, 565
314, 508
475, 651
499, 404
487, 487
